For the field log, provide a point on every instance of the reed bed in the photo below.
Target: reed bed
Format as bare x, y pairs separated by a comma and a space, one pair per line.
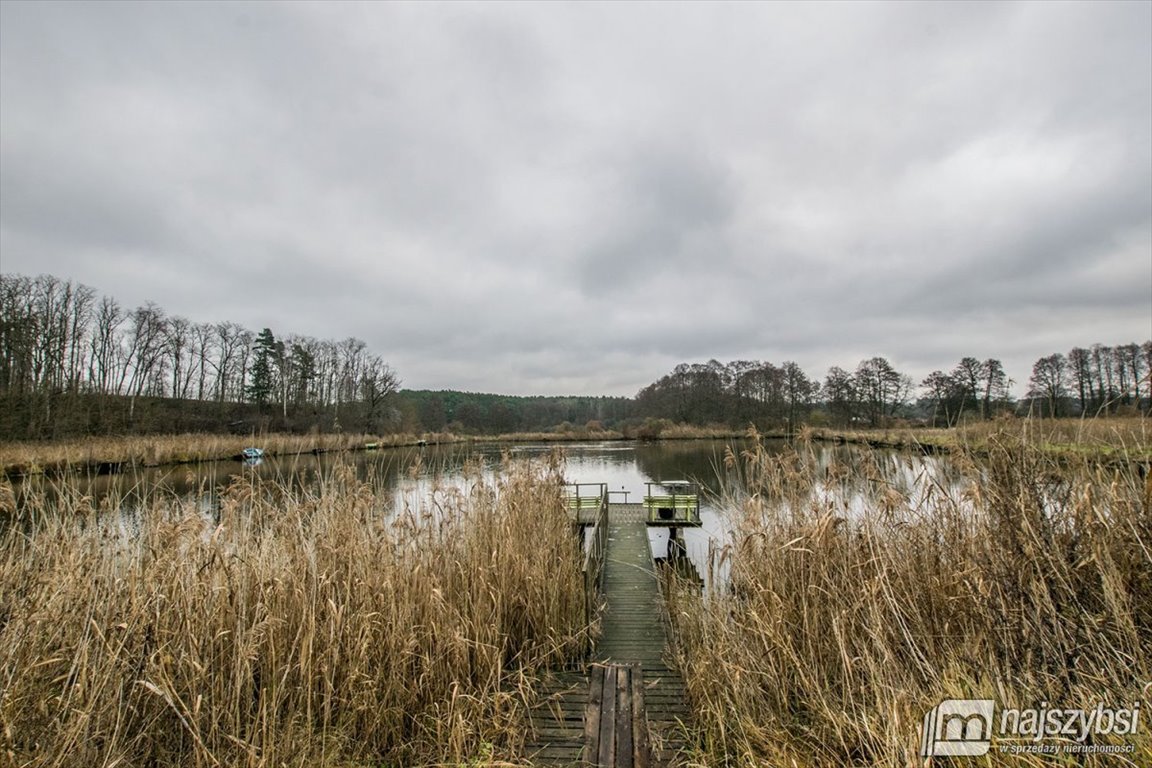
840, 628
21, 458
34, 458
1127, 438
292, 627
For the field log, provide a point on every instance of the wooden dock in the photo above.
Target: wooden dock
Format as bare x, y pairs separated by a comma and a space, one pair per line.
628, 708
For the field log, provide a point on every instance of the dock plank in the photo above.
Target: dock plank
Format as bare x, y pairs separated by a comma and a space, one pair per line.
633, 631
611, 717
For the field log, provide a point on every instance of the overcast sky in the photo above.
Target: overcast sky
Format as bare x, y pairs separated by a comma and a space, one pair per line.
549, 198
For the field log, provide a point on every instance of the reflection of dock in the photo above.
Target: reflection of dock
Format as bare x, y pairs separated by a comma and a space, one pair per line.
628, 708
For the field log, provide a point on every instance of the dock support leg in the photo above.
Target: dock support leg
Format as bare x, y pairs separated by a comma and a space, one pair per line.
675, 544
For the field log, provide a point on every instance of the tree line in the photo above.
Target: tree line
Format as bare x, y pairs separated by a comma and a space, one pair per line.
1093, 380
1087, 381
738, 392
974, 388
477, 413
768, 395
75, 362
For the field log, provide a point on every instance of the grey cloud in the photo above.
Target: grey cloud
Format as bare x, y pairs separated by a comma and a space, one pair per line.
664, 212
489, 192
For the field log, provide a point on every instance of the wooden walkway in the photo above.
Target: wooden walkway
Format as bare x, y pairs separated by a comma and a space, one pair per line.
633, 634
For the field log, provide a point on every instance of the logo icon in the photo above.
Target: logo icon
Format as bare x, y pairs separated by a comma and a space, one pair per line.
957, 727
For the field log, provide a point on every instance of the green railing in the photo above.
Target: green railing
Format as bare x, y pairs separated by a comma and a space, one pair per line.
673, 502
585, 499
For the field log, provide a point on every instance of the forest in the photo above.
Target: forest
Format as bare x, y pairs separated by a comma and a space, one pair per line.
74, 362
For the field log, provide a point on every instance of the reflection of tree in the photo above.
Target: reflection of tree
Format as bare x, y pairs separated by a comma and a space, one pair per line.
701, 461
846, 471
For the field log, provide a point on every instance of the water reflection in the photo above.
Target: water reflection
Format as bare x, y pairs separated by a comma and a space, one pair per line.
843, 479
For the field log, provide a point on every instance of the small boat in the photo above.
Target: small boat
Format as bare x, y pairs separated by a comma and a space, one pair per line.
250, 454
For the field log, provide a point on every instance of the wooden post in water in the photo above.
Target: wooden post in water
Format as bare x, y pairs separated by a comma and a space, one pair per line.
676, 548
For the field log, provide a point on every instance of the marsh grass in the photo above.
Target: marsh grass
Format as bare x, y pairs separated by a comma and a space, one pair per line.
36, 458
20, 458
840, 628
1125, 438
297, 627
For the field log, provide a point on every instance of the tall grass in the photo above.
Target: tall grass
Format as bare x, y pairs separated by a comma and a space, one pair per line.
1124, 437
34, 457
296, 627
840, 628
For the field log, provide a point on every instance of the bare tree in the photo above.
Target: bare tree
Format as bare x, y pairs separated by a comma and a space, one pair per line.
145, 351
177, 340
799, 390
1104, 374
941, 391
1080, 373
229, 340
201, 341
1130, 370
244, 358
18, 334
102, 366
1132, 362
880, 389
966, 380
1049, 382
840, 393
377, 382
1146, 353
302, 366
995, 385
82, 300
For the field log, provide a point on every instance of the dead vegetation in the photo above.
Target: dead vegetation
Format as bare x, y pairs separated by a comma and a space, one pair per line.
840, 627
1108, 438
291, 627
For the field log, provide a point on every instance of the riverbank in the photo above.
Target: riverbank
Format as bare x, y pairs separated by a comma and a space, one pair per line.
108, 455
1128, 439
1104, 439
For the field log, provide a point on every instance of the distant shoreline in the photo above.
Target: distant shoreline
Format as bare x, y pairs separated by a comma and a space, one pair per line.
1109, 439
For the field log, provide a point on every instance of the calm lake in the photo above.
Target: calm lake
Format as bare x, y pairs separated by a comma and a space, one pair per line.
410, 475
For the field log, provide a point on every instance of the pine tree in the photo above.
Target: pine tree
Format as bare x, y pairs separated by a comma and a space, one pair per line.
261, 384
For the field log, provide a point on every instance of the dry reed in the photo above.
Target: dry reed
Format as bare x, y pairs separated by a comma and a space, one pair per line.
841, 627
292, 627
1128, 437
35, 457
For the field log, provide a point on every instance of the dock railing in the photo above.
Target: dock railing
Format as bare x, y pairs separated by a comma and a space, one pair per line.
673, 503
585, 499
594, 559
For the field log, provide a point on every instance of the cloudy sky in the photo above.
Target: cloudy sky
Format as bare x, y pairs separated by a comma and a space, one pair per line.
555, 198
